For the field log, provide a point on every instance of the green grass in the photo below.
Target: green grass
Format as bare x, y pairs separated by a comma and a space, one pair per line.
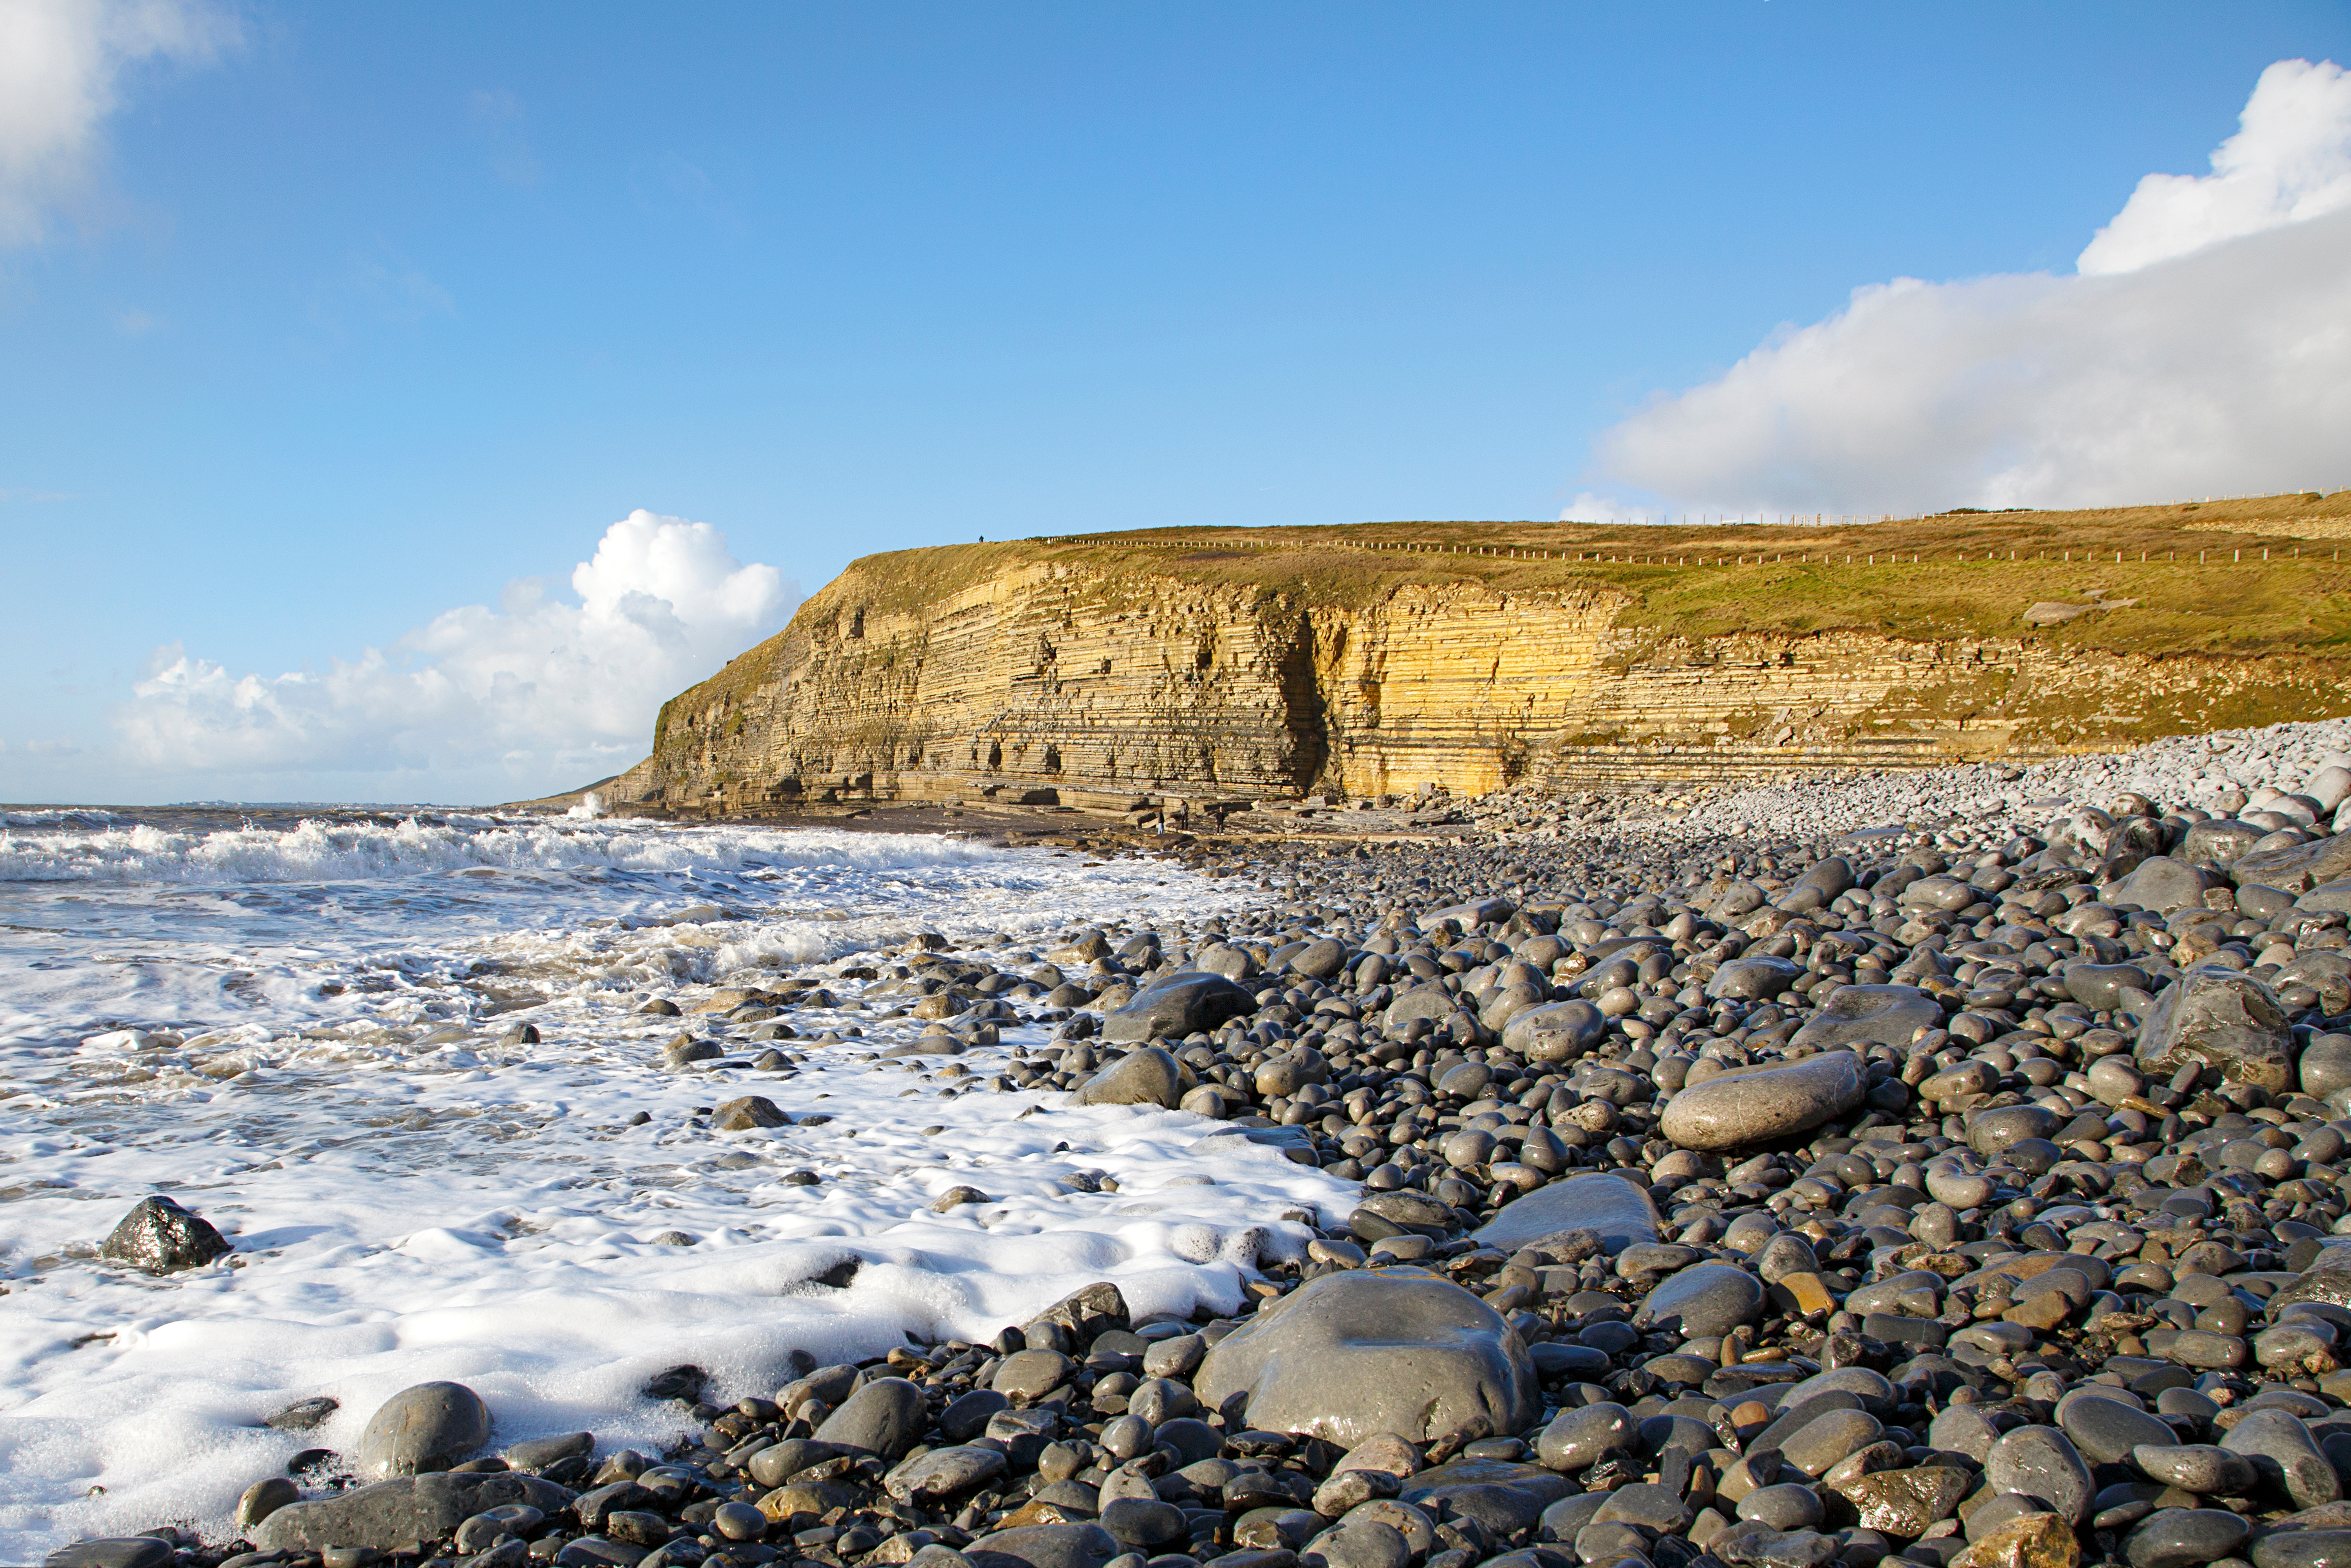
1935, 578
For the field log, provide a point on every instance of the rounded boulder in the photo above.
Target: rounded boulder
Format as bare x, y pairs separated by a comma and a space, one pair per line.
1558, 1031
1861, 1016
429, 1427
884, 1418
1756, 1105
1179, 1006
2222, 1019
1351, 1356
1147, 1077
1705, 1300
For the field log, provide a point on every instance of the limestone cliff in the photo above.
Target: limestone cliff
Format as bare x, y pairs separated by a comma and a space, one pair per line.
1379, 660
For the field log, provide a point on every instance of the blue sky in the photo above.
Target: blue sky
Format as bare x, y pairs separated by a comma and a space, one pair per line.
323, 322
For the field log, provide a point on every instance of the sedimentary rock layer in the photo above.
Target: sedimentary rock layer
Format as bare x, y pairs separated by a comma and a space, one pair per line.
1104, 670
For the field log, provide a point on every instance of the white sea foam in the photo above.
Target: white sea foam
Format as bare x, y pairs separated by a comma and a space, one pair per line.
296, 1031
67, 817
123, 850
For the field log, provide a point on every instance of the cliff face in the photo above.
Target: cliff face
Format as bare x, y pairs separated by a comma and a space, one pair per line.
1109, 671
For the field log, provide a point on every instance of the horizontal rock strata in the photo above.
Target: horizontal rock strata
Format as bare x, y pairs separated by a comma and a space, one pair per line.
1051, 674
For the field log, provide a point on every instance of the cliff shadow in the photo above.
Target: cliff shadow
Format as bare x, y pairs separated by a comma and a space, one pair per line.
1305, 714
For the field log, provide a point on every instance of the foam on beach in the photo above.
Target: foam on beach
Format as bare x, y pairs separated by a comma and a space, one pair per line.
412, 1196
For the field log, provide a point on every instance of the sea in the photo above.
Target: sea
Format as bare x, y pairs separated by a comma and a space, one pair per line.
304, 1025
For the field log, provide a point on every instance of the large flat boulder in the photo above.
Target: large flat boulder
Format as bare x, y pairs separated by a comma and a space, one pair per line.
1146, 1077
2164, 885
1858, 1016
390, 1516
1351, 1356
2215, 1015
1556, 1031
1757, 1105
1615, 1211
1705, 1300
1044, 1546
2297, 868
1178, 1006
2220, 842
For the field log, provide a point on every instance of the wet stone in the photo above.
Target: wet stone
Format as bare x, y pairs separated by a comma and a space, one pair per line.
1617, 1212
2329, 1548
685, 1049
1032, 1374
1360, 1544
1045, 1546
1466, 1082
305, 1415
2295, 868
430, 1426
2325, 1065
1354, 1354
2106, 1431
2281, 1452
1816, 1446
2100, 987
2162, 884
1750, 978
749, 1112
160, 1237
262, 1498
391, 1515
1993, 1132
2214, 1016
119, 1552
2204, 1469
1754, 1104
2040, 1461
2184, 1538
1786, 1506
945, 1472
539, 1453
1704, 1302
1906, 1501
1143, 1522
2033, 1541
1178, 1006
1577, 1440
1147, 1077
1858, 1016
1651, 1507
1557, 1032
2217, 842
885, 1417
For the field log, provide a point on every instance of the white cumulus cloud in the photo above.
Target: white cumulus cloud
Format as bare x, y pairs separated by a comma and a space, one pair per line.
2203, 347
534, 693
61, 68
2292, 160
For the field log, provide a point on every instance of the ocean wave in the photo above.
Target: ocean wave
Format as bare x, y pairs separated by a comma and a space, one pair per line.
123, 850
64, 817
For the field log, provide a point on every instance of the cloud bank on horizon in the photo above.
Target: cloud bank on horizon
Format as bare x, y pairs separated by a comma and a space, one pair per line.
536, 694
2201, 346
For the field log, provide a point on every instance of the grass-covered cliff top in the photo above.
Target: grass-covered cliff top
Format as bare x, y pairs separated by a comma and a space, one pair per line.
1967, 574
2258, 578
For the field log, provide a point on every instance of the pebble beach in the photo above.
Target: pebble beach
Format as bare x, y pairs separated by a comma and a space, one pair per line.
1941, 1167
